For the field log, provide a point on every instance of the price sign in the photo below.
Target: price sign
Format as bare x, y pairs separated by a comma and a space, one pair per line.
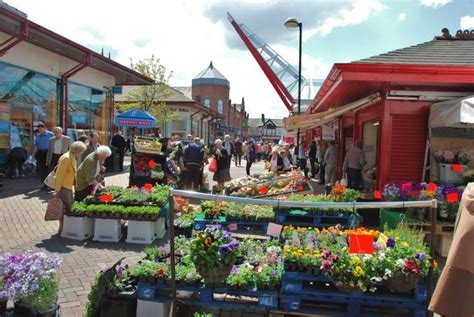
432, 187
274, 229
457, 168
147, 186
361, 243
377, 194
106, 198
452, 198
152, 164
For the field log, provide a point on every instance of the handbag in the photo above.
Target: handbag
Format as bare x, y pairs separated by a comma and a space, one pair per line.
213, 165
54, 210
50, 180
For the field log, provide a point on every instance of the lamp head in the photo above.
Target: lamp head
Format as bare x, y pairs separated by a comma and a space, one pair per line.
292, 23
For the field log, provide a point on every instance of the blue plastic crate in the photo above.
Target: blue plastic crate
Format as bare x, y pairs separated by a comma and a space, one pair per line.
201, 224
309, 220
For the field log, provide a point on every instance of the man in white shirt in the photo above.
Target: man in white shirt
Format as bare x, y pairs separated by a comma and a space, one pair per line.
57, 146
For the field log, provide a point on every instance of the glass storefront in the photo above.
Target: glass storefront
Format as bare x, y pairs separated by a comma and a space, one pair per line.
28, 97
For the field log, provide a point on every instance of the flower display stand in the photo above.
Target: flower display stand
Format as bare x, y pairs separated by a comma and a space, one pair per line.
160, 227
302, 218
142, 232
77, 228
448, 175
107, 230
314, 294
155, 307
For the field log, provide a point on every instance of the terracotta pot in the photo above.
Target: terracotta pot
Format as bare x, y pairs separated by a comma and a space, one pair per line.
400, 284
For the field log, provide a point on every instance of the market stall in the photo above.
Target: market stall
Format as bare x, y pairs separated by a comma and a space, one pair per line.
149, 161
451, 131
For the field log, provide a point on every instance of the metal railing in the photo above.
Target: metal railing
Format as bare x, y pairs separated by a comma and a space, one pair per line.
433, 204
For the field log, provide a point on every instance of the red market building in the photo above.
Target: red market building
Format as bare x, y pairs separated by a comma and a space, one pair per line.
385, 100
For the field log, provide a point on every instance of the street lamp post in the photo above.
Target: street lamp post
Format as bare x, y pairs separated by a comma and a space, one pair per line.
291, 24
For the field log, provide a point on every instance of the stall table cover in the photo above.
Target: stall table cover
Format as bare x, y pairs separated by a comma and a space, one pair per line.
458, 113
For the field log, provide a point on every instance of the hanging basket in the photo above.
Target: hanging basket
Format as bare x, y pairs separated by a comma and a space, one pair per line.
214, 277
342, 287
400, 284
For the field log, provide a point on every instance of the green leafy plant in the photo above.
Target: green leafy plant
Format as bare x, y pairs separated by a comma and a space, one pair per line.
156, 253
268, 276
44, 298
147, 268
213, 209
241, 277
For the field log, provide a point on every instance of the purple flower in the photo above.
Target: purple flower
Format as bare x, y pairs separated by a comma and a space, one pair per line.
326, 254
390, 243
420, 256
225, 234
274, 274
234, 269
225, 248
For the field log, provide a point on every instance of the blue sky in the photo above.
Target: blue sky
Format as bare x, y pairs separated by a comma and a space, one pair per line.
187, 34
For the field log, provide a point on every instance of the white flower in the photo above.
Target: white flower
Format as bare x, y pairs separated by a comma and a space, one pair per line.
366, 258
387, 274
382, 256
373, 289
401, 263
375, 279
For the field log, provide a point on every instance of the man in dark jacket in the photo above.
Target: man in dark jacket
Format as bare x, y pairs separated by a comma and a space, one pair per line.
312, 158
238, 152
229, 147
193, 158
119, 142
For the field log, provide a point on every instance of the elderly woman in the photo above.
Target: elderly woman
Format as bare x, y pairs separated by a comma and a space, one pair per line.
66, 175
86, 182
221, 155
276, 162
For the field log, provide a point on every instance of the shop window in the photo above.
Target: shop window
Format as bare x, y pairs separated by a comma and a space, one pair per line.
26, 98
220, 106
207, 102
178, 127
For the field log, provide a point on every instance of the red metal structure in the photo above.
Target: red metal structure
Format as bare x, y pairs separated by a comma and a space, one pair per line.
409, 81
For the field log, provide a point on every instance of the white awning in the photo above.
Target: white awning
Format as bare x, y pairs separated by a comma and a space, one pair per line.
458, 113
311, 121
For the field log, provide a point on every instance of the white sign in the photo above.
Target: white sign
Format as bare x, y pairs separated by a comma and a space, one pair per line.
329, 134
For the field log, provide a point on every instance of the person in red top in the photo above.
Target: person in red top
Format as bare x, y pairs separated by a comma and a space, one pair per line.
258, 151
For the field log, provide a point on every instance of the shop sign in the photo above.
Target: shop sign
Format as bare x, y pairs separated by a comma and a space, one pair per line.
135, 122
117, 90
329, 134
78, 118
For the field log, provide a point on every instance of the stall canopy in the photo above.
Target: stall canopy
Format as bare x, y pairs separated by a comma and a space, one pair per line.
135, 118
458, 113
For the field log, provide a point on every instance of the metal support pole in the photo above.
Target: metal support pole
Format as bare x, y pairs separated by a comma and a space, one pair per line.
299, 83
434, 214
173, 264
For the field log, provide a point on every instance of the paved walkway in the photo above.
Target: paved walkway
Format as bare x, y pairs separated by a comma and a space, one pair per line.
22, 207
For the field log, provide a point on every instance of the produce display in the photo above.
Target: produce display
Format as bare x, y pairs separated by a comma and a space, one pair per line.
395, 255
148, 145
124, 203
269, 185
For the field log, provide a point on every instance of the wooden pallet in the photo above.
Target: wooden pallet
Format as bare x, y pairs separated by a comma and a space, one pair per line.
441, 228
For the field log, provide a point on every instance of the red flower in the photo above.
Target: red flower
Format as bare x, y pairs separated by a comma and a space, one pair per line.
161, 272
412, 267
263, 191
147, 186
299, 187
152, 164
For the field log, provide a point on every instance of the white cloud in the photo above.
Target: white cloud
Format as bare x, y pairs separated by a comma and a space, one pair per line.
402, 16
435, 3
467, 22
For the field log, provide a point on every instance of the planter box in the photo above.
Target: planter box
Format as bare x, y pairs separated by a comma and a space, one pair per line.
108, 230
160, 228
447, 175
153, 307
77, 228
142, 232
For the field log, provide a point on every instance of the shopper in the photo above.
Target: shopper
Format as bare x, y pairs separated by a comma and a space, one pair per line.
312, 158
276, 162
81, 134
251, 156
119, 142
353, 165
41, 151
194, 160
229, 147
221, 155
92, 146
301, 156
286, 161
66, 176
16, 159
57, 146
258, 151
238, 152
330, 161
322, 166
87, 173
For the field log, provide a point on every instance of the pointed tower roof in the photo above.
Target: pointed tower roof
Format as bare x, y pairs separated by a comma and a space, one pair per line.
210, 75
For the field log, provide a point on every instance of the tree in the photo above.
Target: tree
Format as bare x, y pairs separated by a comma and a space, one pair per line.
151, 98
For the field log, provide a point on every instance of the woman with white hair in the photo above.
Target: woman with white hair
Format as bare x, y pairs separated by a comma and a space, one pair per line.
221, 155
66, 176
89, 170
276, 162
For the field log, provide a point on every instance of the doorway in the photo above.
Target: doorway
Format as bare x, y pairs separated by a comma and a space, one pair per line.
370, 138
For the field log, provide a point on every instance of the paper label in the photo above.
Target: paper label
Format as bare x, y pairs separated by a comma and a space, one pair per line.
274, 229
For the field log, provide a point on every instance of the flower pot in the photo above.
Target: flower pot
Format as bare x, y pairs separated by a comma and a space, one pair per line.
342, 287
399, 284
448, 175
214, 277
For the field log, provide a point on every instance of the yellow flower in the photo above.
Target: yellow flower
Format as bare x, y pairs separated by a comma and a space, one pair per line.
404, 244
208, 242
355, 260
358, 271
287, 248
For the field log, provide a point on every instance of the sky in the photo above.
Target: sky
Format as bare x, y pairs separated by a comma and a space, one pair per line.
187, 34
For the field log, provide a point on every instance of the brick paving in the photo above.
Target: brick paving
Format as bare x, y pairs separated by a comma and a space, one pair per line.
22, 227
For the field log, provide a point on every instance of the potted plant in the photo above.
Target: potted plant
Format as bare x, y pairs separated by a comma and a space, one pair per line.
151, 272
213, 252
31, 280
452, 165
3, 294
268, 277
241, 277
157, 254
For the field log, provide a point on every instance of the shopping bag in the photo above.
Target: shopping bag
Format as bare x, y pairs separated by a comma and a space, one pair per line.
213, 165
54, 210
50, 180
343, 181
